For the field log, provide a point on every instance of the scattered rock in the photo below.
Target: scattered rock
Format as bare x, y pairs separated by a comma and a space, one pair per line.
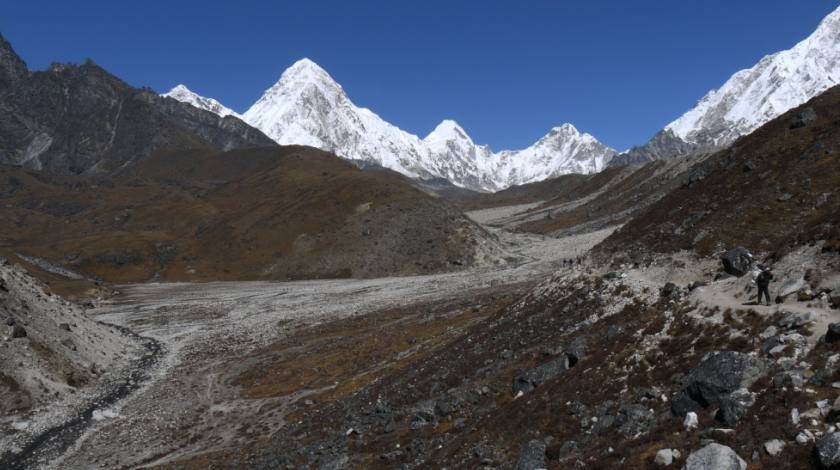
769, 332
735, 406
793, 320
805, 295
737, 261
804, 437
64, 326
18, 331
665, 457
833, 333
784, 197
537, 376
715, 378
634, 419
827, 450
670, 290
575, 352
774, 447
714, 457
805, 117
532, 456
833, 413
690, 422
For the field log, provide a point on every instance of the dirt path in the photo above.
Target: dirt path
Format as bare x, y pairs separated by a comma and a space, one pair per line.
182, 409
738, 293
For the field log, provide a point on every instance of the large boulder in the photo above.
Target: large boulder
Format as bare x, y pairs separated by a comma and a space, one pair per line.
827, 451
714, 457
532, 456
737, 261
735, 406
833, 333
715, 379
537, 376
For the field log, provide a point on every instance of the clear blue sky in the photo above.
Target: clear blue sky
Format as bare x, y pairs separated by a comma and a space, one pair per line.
506, 70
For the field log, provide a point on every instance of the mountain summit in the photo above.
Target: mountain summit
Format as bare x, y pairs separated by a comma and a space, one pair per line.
308, 107
185, 95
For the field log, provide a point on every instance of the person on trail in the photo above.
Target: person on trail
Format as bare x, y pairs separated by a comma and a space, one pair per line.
763, 283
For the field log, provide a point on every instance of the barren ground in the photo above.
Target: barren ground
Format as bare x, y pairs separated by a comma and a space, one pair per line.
202, 398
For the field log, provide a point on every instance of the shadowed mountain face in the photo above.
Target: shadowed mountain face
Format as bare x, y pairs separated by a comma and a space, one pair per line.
269, 213
76, 119
772, 191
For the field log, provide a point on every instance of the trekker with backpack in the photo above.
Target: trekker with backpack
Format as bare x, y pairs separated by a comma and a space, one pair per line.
763, 283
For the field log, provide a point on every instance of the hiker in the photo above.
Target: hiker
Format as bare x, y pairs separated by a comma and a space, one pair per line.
763, 283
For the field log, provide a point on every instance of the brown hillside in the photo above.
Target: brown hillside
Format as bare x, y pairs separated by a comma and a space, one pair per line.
269, 213
770, 191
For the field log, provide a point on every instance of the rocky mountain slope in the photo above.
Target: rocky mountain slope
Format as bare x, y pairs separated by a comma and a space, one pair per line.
307, 107
52, 357
751, 97
772, 191
79, 119
270, 213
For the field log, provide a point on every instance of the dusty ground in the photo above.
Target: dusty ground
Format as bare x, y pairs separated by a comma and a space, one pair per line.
204, 395
352, 373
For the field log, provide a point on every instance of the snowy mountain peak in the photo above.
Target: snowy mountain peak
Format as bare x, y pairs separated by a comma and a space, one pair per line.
447, 130
754, 96
306, 71
184, 94
306, 106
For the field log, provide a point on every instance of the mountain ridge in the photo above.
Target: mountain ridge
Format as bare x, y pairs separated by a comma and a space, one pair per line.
751, 97
306, 106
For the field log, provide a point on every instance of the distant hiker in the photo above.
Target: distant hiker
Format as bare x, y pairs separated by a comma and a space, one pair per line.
763, 283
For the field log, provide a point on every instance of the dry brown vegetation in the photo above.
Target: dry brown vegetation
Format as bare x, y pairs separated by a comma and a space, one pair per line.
273, 213
771, 191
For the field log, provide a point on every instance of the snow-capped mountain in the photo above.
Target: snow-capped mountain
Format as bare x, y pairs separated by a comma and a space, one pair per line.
184, 94
307, 107
752, 97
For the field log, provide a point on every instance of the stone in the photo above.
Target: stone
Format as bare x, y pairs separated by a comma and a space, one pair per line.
737, 261
774, 447
793, 320
537, 376
714, 456
64, 326
833, 333
794, 416
735, 406
788, 380
803, 118
18, 331
804, 295
575, 352
633, 419
664, 457
804, 437
715, 378
769, 332
827, 450
833, 413
690, 422
670, 290
532, 456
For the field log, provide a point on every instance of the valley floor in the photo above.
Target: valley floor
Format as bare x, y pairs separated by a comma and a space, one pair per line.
210, 333
415, 370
